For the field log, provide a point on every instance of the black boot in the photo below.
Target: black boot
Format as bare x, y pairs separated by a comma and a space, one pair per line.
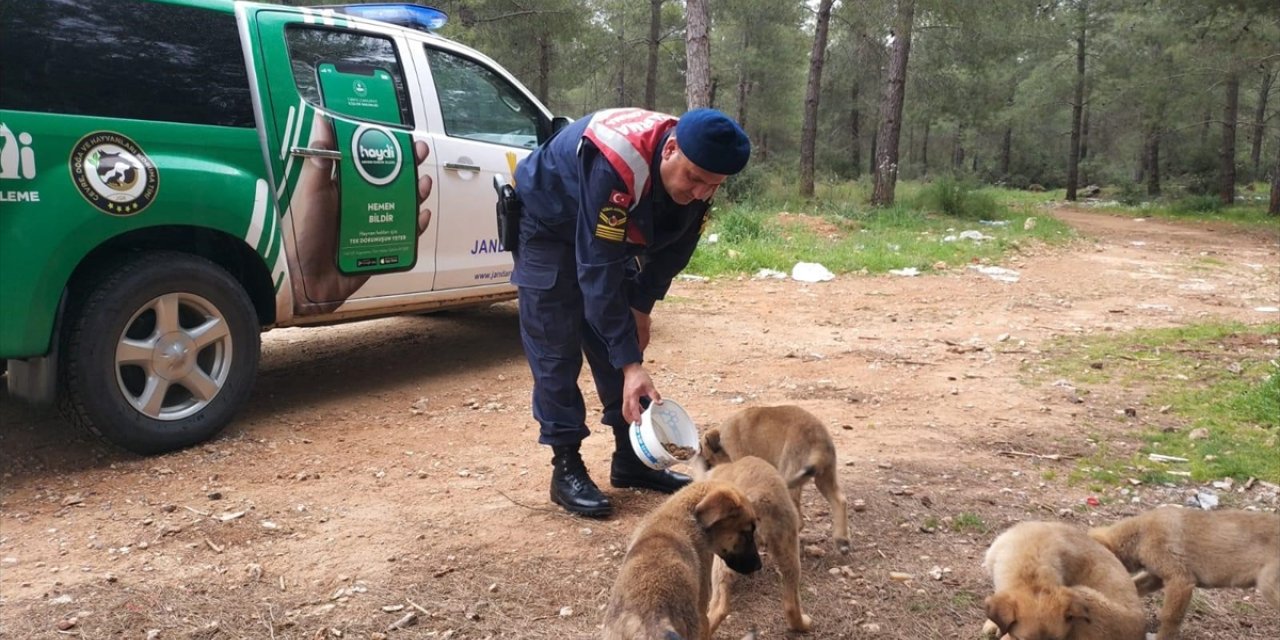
628, 471
572, 488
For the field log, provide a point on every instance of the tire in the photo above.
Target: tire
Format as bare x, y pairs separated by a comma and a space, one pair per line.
160, 321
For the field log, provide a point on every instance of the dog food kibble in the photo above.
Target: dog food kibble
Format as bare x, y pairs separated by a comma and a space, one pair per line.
677, 451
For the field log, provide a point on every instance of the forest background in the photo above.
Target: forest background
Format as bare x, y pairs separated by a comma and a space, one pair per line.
1142, 97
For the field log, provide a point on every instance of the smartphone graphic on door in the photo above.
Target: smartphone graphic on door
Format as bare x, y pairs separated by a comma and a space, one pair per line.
377, 176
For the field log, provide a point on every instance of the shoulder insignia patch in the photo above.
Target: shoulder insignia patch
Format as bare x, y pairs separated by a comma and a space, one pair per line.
611, 223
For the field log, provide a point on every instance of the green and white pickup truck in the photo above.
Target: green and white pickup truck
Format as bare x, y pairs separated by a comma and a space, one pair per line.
177, 176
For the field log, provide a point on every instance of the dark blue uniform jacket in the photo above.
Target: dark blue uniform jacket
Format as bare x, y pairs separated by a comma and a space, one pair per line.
566, 186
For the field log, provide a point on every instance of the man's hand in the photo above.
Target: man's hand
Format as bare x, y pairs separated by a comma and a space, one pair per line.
316, 208
643, 322
636, 384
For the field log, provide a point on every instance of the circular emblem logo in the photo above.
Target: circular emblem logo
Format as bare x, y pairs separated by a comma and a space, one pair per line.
113, 173
378, 155
359, 88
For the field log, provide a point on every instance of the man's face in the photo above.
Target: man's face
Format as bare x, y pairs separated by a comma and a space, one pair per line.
684, 180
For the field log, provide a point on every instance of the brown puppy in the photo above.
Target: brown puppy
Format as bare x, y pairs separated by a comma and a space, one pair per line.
664, 585
796, 443
1189, 548
1052, 582
778, 530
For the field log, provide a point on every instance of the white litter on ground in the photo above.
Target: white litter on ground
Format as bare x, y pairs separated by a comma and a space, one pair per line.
909, 272
1267, 309
764, 274
997, 273
811, 272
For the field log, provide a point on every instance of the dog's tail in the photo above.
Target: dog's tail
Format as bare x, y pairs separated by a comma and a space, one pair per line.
800, 478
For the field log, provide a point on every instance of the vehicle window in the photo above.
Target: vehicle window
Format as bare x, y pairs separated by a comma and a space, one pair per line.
314, 49
479, 104
123, 59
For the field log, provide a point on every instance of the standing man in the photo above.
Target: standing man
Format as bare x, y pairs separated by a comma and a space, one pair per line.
614, 205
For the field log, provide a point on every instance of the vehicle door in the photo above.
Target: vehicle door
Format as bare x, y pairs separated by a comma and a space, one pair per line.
485, 122
352, 169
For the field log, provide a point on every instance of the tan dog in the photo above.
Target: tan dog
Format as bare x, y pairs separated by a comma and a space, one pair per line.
1052, 582
1189, 548
778, 530
796, 443
664, 586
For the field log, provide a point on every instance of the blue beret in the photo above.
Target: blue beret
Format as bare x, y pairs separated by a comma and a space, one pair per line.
713, 141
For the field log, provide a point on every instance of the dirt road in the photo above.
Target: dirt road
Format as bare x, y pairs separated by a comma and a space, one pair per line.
391, 465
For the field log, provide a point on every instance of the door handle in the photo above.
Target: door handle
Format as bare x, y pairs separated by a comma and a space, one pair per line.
456, 166
327, 154
316, 153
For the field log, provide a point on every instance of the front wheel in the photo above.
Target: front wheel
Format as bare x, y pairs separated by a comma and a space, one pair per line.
161, 354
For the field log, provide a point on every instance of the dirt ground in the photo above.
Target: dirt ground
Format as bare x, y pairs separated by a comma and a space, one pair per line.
391, 466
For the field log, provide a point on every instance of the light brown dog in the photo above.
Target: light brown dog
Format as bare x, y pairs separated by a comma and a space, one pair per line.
796, 443
1188, 548
778, 531
664, 586
1052, 582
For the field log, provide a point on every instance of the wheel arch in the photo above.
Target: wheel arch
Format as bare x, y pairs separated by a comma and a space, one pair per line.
227, 251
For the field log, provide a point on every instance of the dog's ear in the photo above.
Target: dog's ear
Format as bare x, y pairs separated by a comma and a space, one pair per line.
719, 503
711, 441
1002, 609
1077, 610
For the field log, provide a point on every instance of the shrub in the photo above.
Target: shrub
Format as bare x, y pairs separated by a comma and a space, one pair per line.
750, 184
1131, 193
1197, 204
737, 224
957, 199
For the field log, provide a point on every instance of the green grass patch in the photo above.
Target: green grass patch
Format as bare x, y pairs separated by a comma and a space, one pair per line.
1251, 212
839, 231
1218, 382
969, 522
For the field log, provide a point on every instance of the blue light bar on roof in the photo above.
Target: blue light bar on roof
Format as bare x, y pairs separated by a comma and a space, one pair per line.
414, 16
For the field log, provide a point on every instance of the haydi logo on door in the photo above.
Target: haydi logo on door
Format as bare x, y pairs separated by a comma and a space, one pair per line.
378, 155
17, 162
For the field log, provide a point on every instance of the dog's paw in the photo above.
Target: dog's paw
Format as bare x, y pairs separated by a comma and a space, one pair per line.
806, 623
991, 631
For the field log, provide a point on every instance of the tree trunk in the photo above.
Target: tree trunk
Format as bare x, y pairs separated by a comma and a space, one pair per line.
697, 54
1006, 152
1205, 123
1227, 185
622, 66
871, 157
809, 129
1259, 122
651, 64
1153, 160
1274, 209
544, 68
1084, 129
855, 131
886, 167
744, 82
1077, 107
924, 149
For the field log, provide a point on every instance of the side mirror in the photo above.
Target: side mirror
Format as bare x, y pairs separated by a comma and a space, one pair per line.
559, 122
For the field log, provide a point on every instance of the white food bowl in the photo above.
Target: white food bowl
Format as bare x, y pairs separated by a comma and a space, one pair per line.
664, 422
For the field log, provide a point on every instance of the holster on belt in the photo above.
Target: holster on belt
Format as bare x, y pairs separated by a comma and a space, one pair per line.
508, 213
